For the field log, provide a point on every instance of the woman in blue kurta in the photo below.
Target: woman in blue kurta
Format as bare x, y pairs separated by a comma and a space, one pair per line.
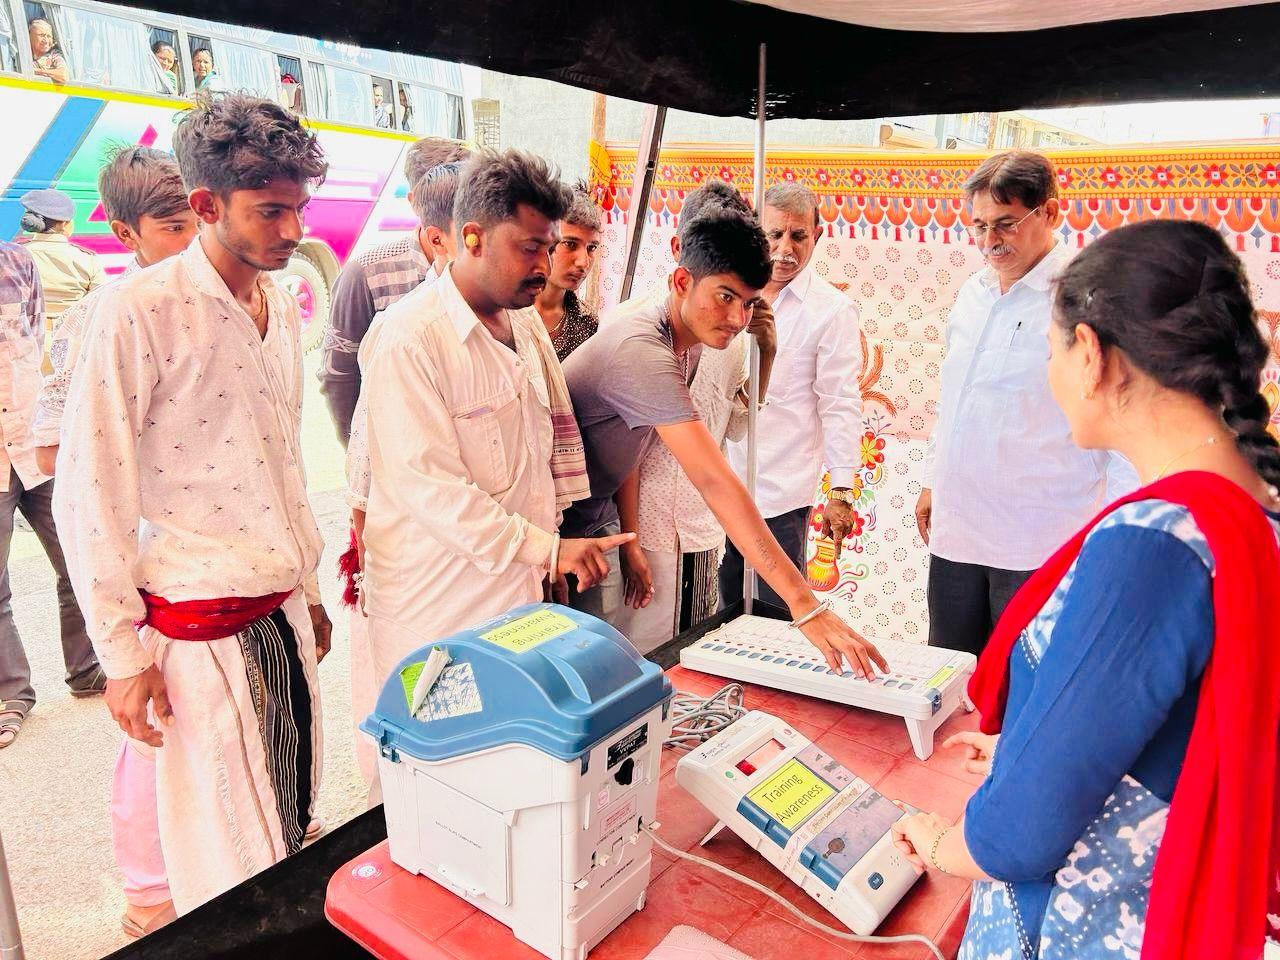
1155, 353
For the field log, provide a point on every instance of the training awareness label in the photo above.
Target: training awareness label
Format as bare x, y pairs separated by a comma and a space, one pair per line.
791, 795
523, 635
455, 694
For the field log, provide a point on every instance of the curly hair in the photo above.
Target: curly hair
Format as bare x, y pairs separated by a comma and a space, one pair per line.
242, 142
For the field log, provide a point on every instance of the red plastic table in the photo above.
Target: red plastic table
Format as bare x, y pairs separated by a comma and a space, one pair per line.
394, 914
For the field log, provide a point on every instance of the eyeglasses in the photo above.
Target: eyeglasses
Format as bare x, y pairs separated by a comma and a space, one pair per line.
1001, 228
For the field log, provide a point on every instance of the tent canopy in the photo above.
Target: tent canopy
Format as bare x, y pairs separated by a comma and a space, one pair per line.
701, 56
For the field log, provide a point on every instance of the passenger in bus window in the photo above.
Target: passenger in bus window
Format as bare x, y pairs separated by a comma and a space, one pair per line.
406, 110
381, 109
49, 61
291, 94
166, 58
202, 69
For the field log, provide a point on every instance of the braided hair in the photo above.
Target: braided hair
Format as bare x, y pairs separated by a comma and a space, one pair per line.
1174, 298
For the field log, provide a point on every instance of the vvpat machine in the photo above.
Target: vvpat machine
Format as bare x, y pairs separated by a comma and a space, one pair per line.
522, 779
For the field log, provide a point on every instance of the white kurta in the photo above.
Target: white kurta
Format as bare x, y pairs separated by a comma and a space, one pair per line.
180, 473
462, 506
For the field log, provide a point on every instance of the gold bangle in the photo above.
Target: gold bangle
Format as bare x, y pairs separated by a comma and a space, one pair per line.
933, 851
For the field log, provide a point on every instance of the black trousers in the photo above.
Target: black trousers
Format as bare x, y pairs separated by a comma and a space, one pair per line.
966, 600
789, 530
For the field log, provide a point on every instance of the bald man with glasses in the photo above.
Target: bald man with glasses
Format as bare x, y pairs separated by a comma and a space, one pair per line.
1004, 484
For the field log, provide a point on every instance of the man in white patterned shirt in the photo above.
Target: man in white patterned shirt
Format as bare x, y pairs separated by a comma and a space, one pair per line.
183, 504
376, 279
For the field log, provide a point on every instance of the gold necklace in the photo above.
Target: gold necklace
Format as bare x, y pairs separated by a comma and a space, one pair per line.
262, 305
1207, 443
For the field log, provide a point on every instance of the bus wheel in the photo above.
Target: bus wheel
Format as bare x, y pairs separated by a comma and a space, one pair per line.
302, 278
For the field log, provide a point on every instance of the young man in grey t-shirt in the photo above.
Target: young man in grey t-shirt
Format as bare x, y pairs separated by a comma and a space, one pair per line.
630, 383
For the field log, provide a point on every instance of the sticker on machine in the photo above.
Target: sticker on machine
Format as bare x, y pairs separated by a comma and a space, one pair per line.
792, 795
529, 632
455, 694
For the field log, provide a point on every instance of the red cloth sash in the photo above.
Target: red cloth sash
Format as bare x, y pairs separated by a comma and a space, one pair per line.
1215, 876
208, 619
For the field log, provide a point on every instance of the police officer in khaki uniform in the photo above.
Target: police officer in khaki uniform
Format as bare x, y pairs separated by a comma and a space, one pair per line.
67, 271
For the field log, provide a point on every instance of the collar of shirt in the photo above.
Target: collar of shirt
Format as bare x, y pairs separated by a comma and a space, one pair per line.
49, 238
798, 287
461, 316
207, 280
1038, 277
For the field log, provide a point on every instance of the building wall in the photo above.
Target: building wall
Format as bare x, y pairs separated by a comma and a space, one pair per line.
554, 120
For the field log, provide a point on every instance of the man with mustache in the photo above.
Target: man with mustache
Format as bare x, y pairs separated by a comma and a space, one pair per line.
182, 506
1004, 486
568, 324
630, 386
814, 414
472, 446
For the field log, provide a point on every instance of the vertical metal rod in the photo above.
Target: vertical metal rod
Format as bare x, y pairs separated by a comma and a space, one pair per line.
10, 935
641, 188
748, 572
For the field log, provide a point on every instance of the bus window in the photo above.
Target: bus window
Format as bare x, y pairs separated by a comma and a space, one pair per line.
428, 112
164, 47
291, 92
350, 99
8, 41
319, 90
106, 51
242, 67
383, 114
46, 38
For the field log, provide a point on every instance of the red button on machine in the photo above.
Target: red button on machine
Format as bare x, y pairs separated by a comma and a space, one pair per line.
746, 767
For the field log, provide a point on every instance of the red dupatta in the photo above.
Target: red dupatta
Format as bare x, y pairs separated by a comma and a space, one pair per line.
1217, 874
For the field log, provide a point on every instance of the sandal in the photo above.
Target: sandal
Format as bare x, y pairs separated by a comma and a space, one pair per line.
12, 715
94, 686
133, 929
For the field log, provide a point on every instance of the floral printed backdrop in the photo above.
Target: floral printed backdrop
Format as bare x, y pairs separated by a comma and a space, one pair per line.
895, 244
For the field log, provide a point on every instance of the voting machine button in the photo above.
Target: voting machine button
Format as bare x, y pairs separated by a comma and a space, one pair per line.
875, 881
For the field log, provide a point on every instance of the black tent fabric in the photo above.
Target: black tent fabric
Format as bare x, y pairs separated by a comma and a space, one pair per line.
701, 55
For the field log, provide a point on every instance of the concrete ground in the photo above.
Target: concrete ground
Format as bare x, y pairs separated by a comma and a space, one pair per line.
55, 779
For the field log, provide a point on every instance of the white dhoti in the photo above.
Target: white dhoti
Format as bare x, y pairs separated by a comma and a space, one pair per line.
237, 776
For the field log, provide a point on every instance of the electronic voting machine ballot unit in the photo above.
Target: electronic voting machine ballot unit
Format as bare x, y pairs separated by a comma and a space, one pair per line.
522, 781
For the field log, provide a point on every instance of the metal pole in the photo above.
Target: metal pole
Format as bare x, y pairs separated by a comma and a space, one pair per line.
749, 573
10, 935
641, 188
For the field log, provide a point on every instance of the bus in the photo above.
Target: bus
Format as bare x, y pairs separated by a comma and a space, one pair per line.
367, 107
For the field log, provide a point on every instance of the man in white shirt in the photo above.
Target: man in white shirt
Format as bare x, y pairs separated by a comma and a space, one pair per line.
462, 384
1004, 486
183, 505
814, 410
433, 198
